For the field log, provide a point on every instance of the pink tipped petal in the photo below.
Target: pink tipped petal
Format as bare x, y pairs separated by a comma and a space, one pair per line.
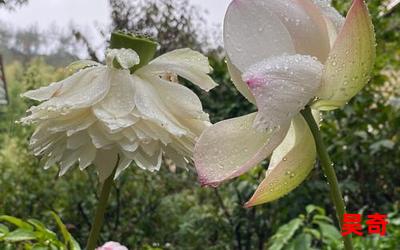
351, 60
241, 86
282, 86
231, 148
290, 164
252, 33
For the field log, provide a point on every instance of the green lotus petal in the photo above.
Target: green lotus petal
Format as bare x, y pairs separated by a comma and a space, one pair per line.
290, 164
351, 60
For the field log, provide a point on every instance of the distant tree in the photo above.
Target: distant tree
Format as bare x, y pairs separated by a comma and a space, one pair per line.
12, 4
174, 24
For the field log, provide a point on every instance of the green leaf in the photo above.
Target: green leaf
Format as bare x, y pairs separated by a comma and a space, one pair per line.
329, 232
284, 234
311, 208
3, 230
74, 244
40, 247
69, 241
321, 218
66, 235
313, 232
48, 234
302, 241
17, 222
21, 234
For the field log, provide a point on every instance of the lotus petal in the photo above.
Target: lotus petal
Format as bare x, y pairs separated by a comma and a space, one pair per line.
351, 60
290, 164
232, 147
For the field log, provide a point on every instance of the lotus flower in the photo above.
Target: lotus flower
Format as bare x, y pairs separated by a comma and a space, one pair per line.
103, 114
283, 55
112, 246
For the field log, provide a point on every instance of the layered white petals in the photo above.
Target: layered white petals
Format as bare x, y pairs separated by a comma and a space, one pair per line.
104, 116
126, 58
290, 164
232, 147
68, 94
186, 63
119, 101
282, 86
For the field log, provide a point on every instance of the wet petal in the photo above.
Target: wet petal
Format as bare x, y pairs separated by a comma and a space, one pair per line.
119, 100
351, 60
253, 33
80, 90
290, 164
232, 147
331, 15
241, 86
305, 24
150, 106
282, 86
187, 63
127, 58
180, 100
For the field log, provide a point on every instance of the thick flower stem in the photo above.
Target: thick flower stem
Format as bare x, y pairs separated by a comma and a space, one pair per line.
100, 211
329, 171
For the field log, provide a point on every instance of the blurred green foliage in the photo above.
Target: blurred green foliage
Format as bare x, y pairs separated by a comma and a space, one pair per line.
34, 235
169, 210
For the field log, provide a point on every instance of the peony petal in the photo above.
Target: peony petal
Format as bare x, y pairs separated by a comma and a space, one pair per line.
124, 163
241, 86
351, 60
87, 156
43, 93
231, 148
77, 140
146, 162
105, 163
151, 107
180, 100
282, 86
290, 164
80, 90
305, 24
119, 100
127, 58
253, 33
187, 63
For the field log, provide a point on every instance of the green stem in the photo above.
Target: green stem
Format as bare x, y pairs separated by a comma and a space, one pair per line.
327, 166
100, 212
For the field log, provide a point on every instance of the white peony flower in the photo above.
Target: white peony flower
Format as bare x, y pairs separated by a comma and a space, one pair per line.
101, 114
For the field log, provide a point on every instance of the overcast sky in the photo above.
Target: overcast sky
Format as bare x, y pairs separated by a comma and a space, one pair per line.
85, 13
